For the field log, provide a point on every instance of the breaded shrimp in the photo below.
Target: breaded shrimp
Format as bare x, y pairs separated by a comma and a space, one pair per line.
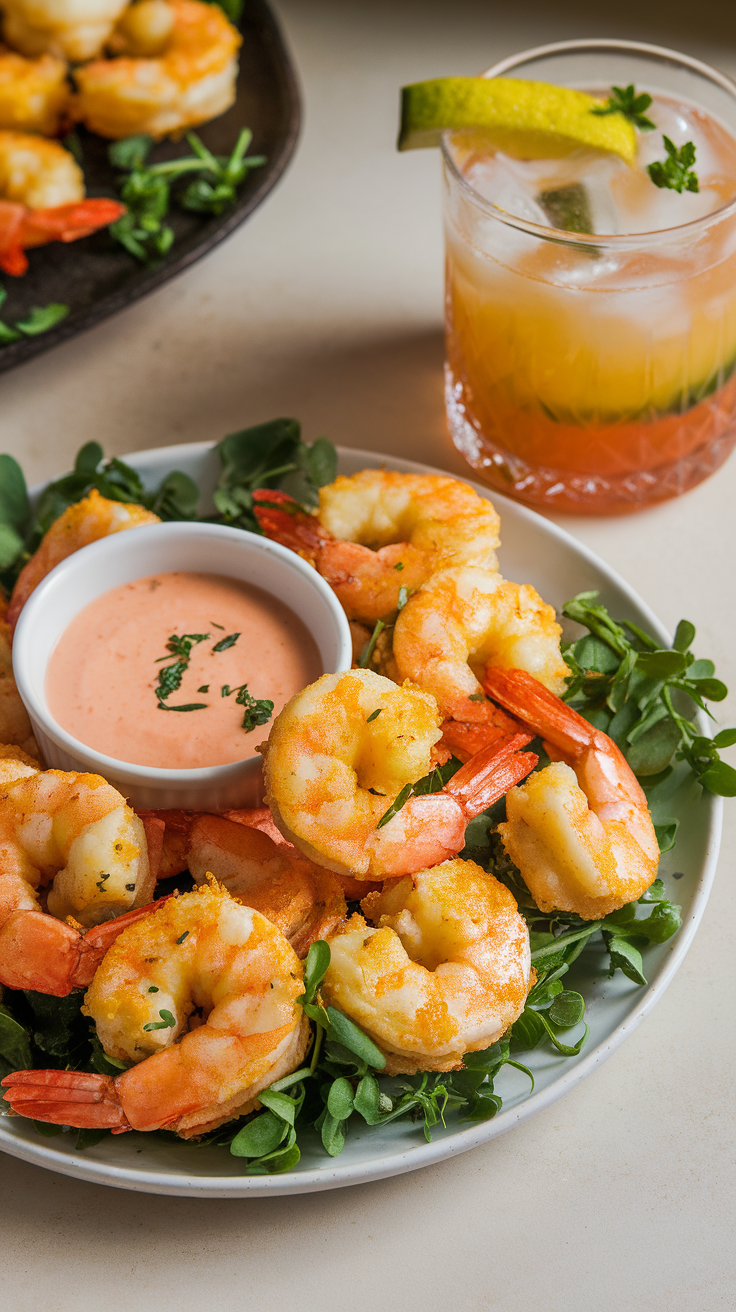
69, 29
201, 996
190, 80
378, 531
579, 830
446, 971
34, 93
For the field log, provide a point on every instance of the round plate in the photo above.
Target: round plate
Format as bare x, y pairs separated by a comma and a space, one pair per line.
533, 551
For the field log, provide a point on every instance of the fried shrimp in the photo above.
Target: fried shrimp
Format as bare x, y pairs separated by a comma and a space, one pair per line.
38, 174
70, 29
579, 830
201, 996
42, 199
445, 971
462, 622
340, 754
75, 836
378, 531
189, 79
15, 726
34, 93
88, 520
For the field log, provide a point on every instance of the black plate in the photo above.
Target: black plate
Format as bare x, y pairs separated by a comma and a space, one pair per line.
95, 276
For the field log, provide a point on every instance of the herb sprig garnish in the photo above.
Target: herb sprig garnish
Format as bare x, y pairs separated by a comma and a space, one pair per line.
147, 189
675, 172
624, 100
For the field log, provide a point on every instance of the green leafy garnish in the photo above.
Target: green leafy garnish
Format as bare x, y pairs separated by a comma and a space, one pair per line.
256, 712
146, 191
167, 1022
624, 100
224, 643
170, 677
38, 320
675, 172
643, 695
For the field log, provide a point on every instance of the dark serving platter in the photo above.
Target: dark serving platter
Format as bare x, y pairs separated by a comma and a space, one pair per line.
96, 277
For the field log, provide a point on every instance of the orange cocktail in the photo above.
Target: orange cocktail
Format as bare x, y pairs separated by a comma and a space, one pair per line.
591, 316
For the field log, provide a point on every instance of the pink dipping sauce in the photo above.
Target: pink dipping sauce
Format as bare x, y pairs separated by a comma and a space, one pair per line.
102, 676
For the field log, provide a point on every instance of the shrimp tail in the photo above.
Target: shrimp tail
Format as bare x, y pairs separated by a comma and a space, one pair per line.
88, 1102
68, 222
282, 519
490, 775
464, 739
39, 952
532, 703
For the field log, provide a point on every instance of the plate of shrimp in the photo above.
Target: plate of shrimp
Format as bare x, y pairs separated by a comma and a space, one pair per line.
201, 997
75, 79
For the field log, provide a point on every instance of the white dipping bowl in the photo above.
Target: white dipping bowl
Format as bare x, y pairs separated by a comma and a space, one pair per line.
133, 554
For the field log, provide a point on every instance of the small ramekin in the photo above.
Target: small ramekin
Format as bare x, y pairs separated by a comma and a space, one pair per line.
136, 553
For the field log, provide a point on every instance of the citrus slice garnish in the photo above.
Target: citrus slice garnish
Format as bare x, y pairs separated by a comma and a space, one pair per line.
529, 120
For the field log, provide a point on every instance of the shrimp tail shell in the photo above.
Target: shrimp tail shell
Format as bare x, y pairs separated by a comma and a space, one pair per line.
88, 1102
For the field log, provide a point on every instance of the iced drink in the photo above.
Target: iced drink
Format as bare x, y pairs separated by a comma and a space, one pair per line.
591, 315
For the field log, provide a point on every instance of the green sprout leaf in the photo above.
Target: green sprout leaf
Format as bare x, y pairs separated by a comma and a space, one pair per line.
624, 100
675, 171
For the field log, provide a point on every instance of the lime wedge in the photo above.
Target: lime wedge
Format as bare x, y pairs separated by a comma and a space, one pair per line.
529, 120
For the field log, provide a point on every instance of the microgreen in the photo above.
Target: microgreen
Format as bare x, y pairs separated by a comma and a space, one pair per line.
167, 1022
38, 320
643, 696
624, 100
675, 172
146, 191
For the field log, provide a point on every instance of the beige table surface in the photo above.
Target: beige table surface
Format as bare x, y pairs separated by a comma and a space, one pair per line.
327, 305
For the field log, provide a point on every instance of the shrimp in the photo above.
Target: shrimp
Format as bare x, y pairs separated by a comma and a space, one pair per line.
69, 29
445, 972
15, 726
88, 520
461, 622
267, 874
579, 830
190, 80
378, 531
228, 980
34, 93
340, 753
42, 199
75, 836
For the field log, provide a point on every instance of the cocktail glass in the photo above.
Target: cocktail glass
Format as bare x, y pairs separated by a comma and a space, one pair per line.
595, 373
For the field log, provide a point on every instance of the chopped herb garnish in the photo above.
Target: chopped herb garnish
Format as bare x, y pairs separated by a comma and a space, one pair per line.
182, 937
38, 320
130, 888
101, 882
374, 715
399, 565
153, 989
256, 712
369, 648
204, 688
675, 172
170, 677
224, 643
217, 626
167, 1022
624, 100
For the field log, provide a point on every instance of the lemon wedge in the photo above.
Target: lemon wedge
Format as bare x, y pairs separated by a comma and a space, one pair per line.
529, 120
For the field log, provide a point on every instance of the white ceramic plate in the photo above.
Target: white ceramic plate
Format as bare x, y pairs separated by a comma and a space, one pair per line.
533, 551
